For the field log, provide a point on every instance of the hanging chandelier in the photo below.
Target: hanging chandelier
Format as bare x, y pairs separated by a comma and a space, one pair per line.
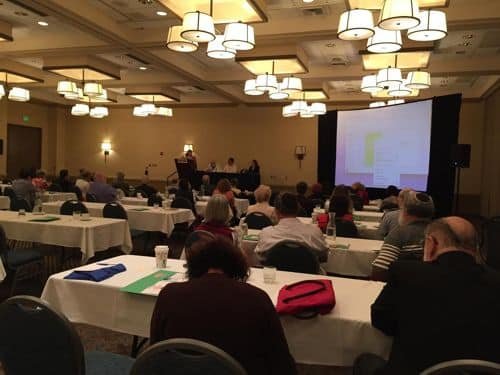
251, 89
291, 85
418, 80
395, 101
377, 104
399, 15
385, 41
389, 76
399, 89
99, 112
239, 36
278, 94
150, 109
300, 107
176, 42
355, 24
80, 109
216, 50
18, 94
432, 27
198, 26
369, 84
2, 91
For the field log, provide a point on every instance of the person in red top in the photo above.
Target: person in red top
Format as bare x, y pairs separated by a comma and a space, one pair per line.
224, 187
359, 189
217, 216
217, 306
39, 182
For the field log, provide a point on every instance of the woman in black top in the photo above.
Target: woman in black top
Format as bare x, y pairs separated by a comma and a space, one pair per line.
185, 191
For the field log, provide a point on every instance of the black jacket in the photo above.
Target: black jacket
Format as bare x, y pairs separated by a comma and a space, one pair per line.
439, 311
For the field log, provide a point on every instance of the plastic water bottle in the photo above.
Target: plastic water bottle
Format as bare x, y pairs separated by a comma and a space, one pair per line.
331, 230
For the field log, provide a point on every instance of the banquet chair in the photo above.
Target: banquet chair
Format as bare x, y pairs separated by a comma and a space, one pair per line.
257, 220
182, 356
9, 192
463, 367
90, 197
114, 210
17, 204
21, 264
68, 207
155, 199
293, 257
37, 339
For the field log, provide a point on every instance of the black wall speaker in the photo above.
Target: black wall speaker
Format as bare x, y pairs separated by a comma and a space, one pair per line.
460, 155
1, 146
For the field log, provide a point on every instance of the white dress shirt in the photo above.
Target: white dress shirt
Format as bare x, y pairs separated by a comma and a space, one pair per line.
230, 168
83, 185
292, 229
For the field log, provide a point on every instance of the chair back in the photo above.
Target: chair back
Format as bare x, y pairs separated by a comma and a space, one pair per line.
185, 357
68, 207
491, 242
114, 210
181, 202
257, 220
9, 192
75, 189
292, 256
4, 247
17, 204
155, 199
463, 367
37, 339
90, 197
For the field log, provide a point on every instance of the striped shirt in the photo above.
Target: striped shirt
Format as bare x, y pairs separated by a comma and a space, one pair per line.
402, 241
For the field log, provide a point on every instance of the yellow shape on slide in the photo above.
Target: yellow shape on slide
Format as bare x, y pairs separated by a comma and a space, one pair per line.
370, 148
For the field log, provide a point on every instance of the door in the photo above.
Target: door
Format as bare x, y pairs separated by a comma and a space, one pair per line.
24, 148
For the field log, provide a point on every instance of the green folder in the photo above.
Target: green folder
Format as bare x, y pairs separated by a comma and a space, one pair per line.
137, 287
341, 246
139, 209
45, 219
251, 237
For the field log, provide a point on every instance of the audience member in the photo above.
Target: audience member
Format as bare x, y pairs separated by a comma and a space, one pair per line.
343, 219
304, 202
390, 220
359, 189
442, 309
121, 184
317, 194
342, 191
146, 188
407, 239
39, 182
217, 216
390, 202
235, 187
83, 182
184, 190
235, 316
262, 196
212, 167
230, 167
206, 187
103, 192
23, 187
64, 182
224, 187
292, 229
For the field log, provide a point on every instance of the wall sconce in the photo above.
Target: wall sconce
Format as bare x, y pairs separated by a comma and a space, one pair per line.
106, 148
300, 153
188, 147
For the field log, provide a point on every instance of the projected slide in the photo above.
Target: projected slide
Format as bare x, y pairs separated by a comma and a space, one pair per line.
385, 146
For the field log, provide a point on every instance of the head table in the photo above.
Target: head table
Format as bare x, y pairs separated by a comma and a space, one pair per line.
333, 339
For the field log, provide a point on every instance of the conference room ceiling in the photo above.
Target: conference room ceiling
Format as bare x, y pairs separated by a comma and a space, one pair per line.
129, 35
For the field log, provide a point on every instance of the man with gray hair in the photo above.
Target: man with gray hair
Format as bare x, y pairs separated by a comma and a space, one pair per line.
407, 239
442, 309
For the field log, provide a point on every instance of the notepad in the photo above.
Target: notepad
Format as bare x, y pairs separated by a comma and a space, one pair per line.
45, 219
151, 284
251, 237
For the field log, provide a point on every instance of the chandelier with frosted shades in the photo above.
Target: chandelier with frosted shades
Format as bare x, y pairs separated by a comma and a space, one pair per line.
198, 27
302, 109
150, 109
16, 94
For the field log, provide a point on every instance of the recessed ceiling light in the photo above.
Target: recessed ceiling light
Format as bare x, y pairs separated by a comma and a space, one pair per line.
43, 23
161, 13
143, 68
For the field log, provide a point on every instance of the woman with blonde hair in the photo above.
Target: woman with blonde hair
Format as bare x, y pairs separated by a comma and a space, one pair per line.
262, 196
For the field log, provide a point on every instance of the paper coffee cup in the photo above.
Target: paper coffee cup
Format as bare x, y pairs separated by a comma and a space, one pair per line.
161, 255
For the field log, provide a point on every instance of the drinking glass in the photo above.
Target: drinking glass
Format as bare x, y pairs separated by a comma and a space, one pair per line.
269, 274
76, 215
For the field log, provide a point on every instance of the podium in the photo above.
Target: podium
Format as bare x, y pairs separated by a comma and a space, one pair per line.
186, 168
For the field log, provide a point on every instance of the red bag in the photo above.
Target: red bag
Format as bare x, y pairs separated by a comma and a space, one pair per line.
316, 296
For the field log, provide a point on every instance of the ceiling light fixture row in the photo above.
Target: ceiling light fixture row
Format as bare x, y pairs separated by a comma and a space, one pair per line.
301, 108
150, 109
198, 27
395, 16
389, 102
16, 94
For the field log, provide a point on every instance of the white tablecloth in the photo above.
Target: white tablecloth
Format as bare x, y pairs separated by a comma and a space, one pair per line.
355, 261
371, 208
90, 236
153, 219
3, 186
368, 230
240, 204
4, 202
53, 196
334, 339
368, 215
134, 201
